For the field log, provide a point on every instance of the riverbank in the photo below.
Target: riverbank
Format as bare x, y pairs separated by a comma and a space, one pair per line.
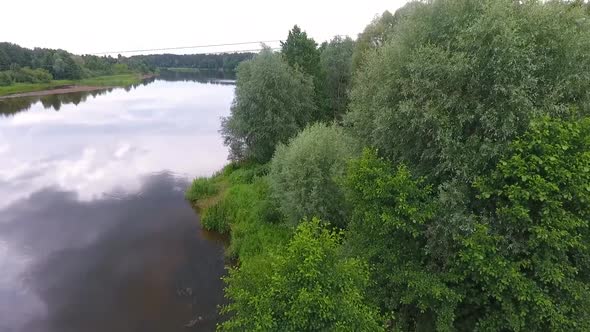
64, 86
236, 202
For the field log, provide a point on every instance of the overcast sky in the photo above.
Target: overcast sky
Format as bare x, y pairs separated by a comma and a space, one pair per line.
117, 25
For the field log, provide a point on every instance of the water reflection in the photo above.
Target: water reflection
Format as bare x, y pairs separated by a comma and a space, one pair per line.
107, 141
10, 106
203, 76
93, 236
112, 264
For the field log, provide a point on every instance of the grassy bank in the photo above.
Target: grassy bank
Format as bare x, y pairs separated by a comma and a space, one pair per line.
236, 201
111, 80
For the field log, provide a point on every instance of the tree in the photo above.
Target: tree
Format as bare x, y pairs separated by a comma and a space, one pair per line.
522, 263
305, 174
336, 61
272, 103
458, 80
392, 213
527, 257
307, 286
373, 36
301, 53
4, 60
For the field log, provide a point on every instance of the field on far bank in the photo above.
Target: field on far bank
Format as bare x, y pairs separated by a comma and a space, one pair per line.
100, 81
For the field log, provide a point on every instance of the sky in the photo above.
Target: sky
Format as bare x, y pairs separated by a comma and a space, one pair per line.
83, 26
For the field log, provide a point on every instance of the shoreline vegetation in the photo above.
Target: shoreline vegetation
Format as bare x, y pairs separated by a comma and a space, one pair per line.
65, 86
42, 71
431, 175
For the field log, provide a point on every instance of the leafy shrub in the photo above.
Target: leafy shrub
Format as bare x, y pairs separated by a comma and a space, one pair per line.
35, 75
304, 174
528, 255
305, 286
25, 75
5, 78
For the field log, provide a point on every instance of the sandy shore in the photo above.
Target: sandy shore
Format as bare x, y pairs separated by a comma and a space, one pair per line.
65, 89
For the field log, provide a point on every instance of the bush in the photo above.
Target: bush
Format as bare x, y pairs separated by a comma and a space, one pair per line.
273, 102
36, 75
25, 75
304, 174
305, 286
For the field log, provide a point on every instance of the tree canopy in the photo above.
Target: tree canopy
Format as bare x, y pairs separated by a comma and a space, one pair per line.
308, 286
459, 79
305, 174
273, 101
336, 62
469, 208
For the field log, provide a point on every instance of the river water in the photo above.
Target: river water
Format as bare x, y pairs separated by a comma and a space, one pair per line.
95, 234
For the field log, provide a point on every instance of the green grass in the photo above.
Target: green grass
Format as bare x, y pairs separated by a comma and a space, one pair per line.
111, 80
237, 201
202, 188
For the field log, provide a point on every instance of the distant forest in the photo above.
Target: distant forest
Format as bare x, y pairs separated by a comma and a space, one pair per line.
226, 62
41, 65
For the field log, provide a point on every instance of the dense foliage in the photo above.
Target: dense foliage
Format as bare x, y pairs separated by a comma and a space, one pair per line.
336, 63
459, 79
23, 65
306, 286
226, 61
527, 256
272, 103
469, 209
389, 229
301, 52
305, 174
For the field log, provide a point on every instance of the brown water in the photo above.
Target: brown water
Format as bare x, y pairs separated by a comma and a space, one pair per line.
94, 232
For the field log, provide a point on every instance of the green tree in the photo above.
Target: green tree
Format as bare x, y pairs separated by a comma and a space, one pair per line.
458, 80
301, 52
308, 286
389, 228
305, 174
4, 60
64, 66
272, 103
336, 62
373, 36
528, 257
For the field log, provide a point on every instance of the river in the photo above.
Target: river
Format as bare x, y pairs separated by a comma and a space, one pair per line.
95, 234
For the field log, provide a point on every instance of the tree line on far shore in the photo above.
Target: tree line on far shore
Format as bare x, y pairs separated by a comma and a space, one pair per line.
41, 65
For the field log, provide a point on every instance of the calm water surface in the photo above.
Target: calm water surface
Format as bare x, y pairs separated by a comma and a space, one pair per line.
94, 232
